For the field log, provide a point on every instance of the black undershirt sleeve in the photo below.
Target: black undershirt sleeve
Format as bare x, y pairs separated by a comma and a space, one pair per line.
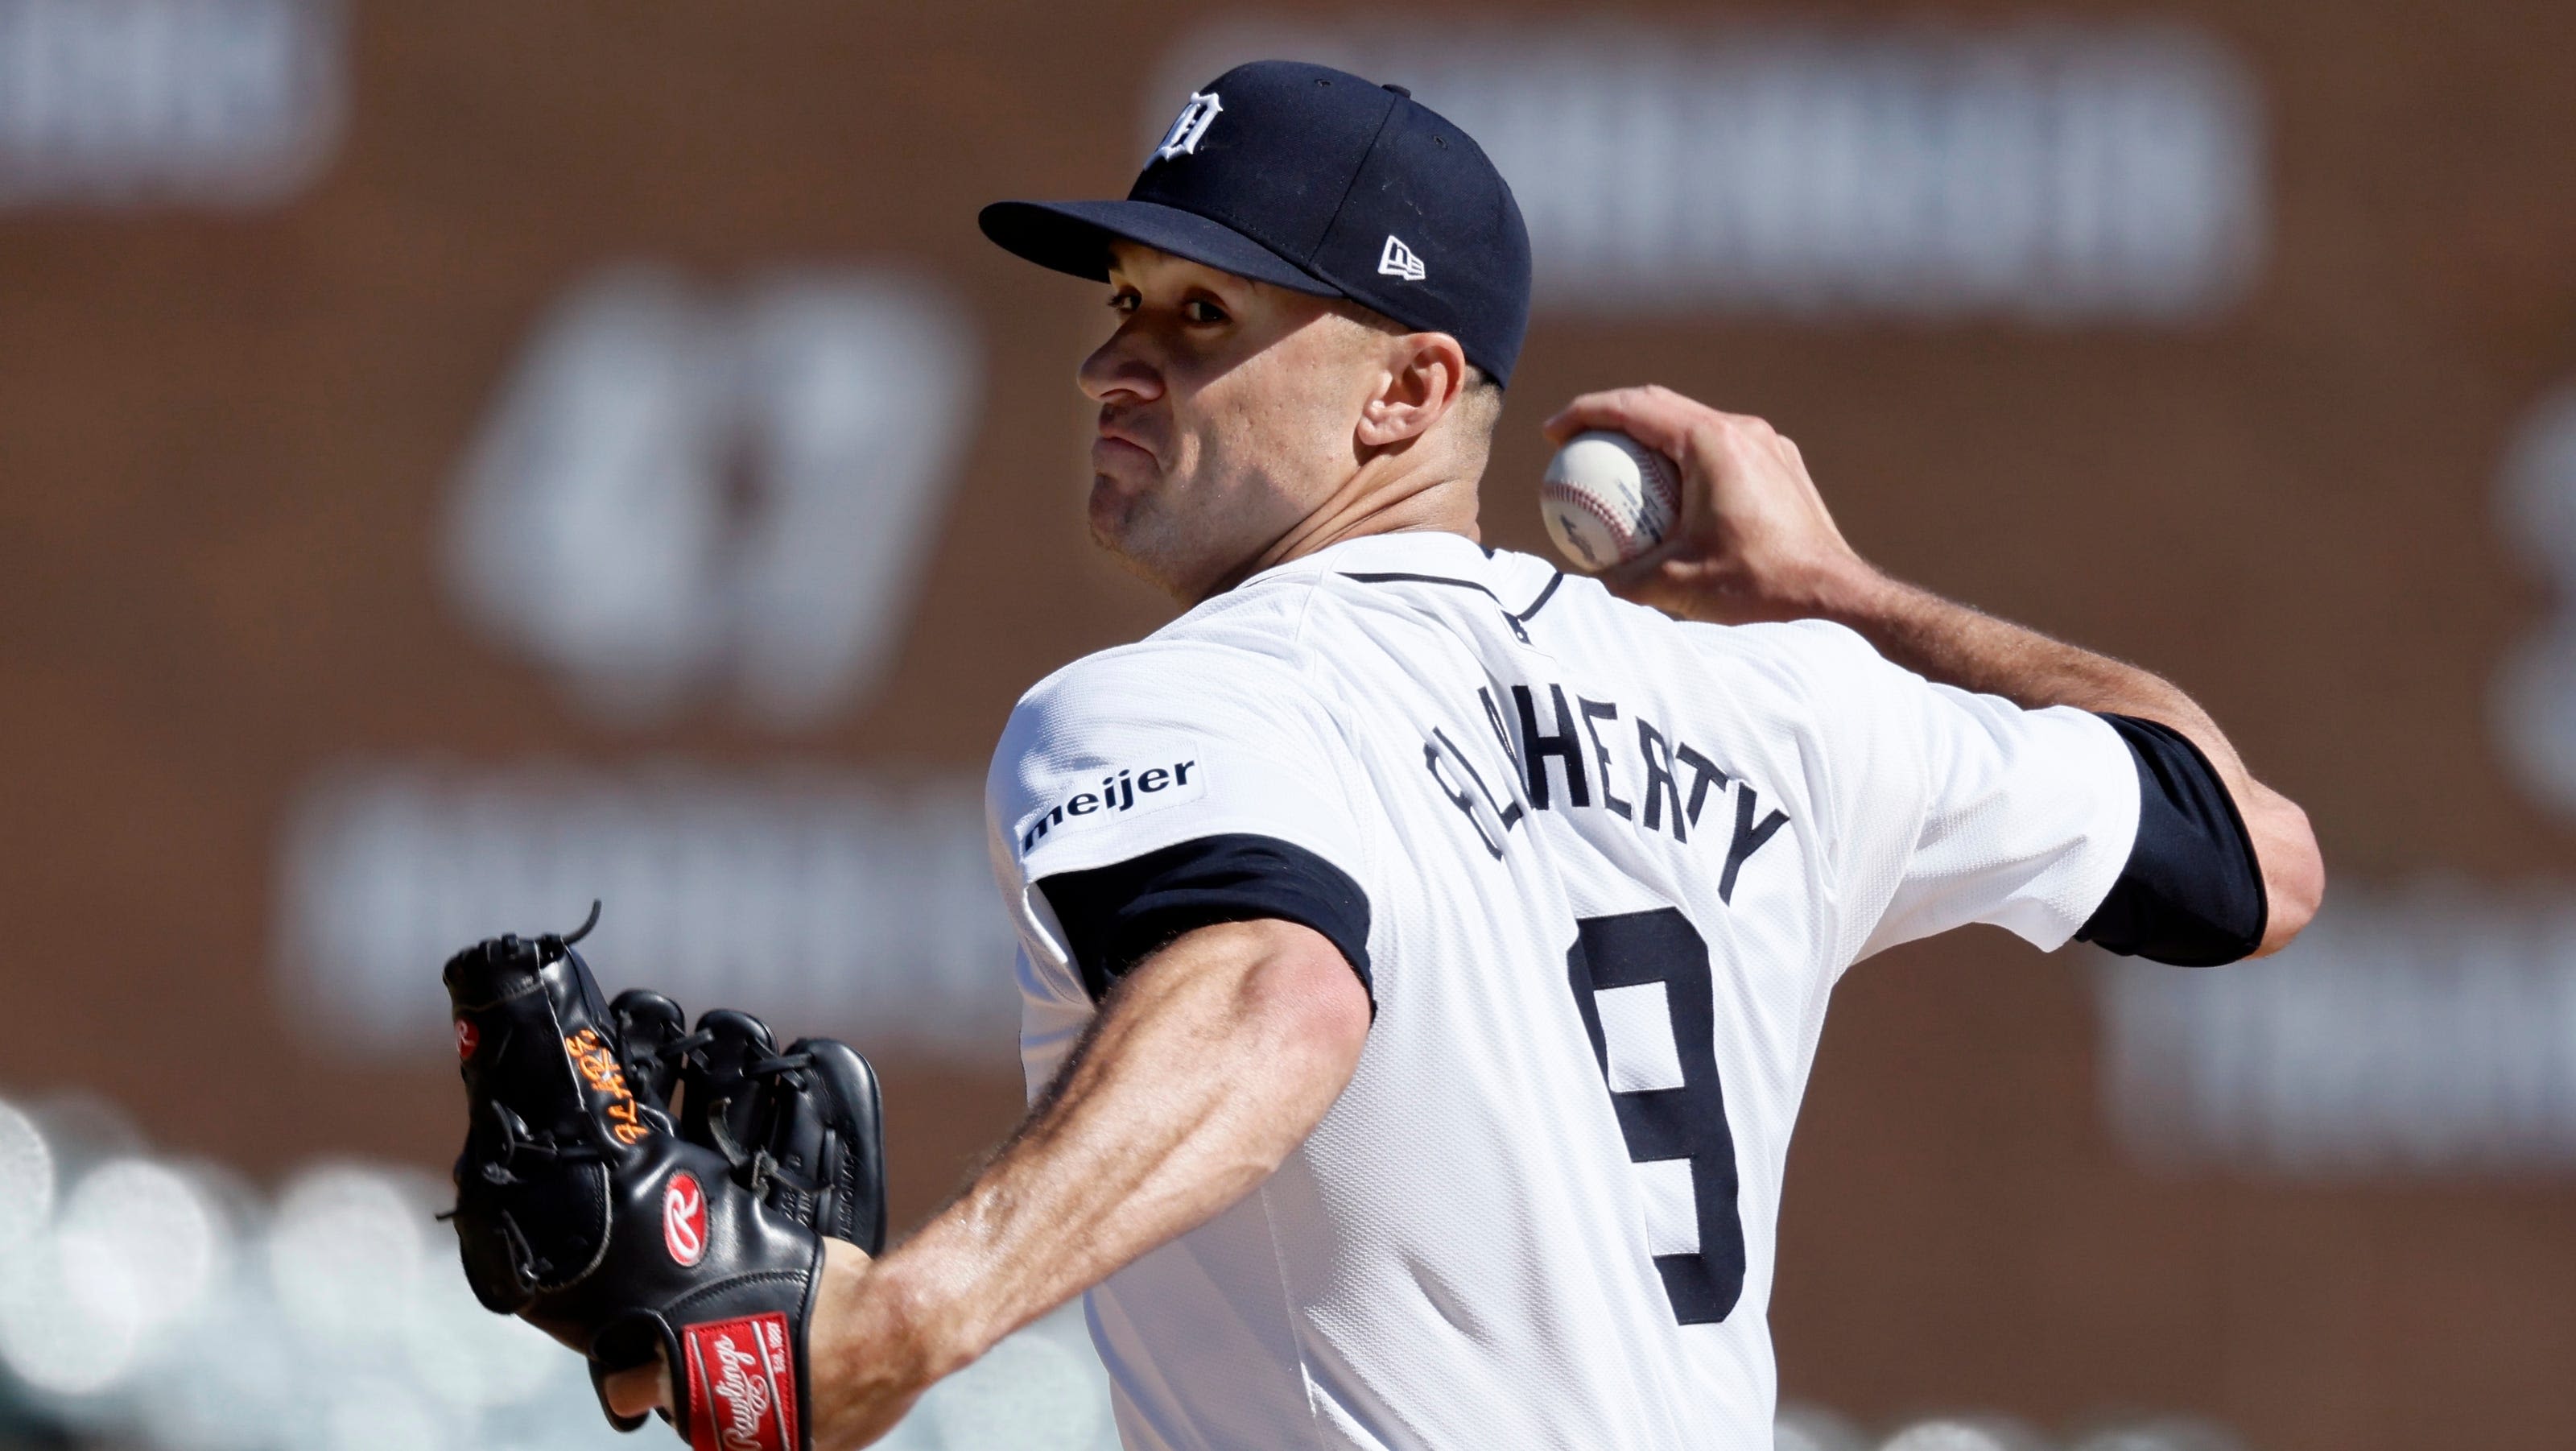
1114, 917
2192, 893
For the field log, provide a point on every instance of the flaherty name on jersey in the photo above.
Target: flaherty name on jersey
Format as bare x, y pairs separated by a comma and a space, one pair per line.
1572, 753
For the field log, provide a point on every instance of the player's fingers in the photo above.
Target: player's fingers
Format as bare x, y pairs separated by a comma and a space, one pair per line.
1656, 417
1688, 432
641, 1391
1567, 421
1608, 408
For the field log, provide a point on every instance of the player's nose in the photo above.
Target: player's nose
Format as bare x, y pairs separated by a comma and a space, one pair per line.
1120, 368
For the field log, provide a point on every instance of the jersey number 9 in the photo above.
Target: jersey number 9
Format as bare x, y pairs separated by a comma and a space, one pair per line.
1671, 1109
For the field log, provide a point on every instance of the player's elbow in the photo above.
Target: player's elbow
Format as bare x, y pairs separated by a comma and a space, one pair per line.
2201, 889
2294, 870
1312, 1006
1300, 1018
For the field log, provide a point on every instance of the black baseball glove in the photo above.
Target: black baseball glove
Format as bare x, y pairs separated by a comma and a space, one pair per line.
585, 1207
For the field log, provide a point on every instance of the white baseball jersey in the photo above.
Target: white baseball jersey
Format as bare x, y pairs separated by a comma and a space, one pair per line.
1612, 865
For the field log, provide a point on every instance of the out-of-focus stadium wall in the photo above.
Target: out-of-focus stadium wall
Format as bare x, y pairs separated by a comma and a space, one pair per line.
462, 459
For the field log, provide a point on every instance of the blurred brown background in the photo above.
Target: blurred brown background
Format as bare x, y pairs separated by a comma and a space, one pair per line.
234, 434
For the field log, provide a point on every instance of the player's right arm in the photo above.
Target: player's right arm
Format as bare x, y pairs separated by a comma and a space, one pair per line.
1210, 1060
1756, 543
1172, 832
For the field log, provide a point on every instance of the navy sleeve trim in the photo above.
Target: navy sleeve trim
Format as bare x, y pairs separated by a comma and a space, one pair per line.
1115, 917
2192, 893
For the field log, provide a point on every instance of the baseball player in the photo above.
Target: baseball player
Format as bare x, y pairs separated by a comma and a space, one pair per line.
1424, 950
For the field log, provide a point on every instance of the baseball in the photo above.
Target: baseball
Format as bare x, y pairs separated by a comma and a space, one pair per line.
1608, 498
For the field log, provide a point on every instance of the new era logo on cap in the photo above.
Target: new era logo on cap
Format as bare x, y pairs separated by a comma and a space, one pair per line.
1397, 260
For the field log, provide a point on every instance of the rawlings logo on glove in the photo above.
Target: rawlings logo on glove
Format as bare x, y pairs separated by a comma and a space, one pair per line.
588, 1207
684, 1219
744, 1385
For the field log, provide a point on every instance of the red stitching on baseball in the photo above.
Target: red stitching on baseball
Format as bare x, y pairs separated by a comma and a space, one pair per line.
1652, 472
1620, 534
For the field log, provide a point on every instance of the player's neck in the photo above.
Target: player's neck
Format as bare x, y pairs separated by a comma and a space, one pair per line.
1384, 496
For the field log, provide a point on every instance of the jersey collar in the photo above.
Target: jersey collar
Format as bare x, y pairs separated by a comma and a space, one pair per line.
1422, 551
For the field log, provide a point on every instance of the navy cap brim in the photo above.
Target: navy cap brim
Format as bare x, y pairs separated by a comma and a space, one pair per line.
1074, 237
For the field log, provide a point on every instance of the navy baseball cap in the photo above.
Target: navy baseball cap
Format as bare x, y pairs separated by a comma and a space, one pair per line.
1313, 179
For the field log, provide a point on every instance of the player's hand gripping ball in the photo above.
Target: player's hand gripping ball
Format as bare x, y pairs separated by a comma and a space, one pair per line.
1607, 499
586, 1208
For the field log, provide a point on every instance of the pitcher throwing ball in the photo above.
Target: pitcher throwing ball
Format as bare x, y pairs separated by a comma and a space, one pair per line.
1424, 950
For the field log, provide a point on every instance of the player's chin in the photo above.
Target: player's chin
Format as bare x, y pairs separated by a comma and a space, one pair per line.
1138, 534
1117, 507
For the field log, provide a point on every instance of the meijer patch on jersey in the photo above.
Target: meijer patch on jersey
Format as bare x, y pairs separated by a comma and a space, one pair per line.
1146, 786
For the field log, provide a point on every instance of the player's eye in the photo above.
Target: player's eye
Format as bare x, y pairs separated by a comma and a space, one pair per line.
1200, 310
1124, 301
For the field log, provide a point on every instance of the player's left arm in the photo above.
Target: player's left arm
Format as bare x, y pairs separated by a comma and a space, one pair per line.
1755, 543
1208, 1063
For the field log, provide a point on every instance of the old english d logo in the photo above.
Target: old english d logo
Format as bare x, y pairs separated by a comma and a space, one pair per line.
1189, 127
684, 1219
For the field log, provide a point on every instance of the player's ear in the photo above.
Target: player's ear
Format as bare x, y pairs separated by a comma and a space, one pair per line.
1424, 377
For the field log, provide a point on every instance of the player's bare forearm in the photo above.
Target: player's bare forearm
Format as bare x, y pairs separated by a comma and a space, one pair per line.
1755, 542
1956, 644
1206, 1067
1943, 640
